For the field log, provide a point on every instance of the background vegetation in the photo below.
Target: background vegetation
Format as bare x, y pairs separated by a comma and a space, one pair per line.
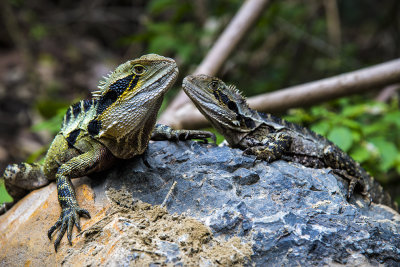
53, 53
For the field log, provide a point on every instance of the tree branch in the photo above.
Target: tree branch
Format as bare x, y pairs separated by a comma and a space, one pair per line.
378, 76
226, 43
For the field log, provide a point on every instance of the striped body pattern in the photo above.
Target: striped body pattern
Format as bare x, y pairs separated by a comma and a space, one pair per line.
270, 138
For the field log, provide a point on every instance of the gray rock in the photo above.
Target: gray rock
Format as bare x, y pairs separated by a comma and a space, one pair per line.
292, 215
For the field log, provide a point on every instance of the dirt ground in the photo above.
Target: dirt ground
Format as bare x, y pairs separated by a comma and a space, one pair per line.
139, 233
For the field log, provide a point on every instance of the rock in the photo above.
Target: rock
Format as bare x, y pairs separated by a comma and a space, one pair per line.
224, 209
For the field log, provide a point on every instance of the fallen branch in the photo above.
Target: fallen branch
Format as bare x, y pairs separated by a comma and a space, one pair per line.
375, 77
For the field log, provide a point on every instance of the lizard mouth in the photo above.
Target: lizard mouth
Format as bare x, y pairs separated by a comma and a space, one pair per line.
194, 91
165, 81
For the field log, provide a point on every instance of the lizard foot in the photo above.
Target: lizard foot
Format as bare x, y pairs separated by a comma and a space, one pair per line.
194, 134
352, 184
68, 217
164, 132
353, 180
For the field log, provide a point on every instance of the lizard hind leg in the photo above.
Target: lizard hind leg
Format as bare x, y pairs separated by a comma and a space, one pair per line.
354, 181
22, 178
345, 167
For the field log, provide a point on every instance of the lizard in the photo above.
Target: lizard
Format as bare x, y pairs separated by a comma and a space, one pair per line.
117, 123
271, 138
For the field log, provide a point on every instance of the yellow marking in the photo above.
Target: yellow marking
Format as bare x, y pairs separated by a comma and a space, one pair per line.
130, 90
130, 83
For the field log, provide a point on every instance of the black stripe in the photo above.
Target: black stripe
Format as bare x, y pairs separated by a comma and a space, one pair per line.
232, 106
94, 127
87, 104
249, 122
68, 115
224, 98
115, 90
134, 83
216, 95
76, 109
71, 139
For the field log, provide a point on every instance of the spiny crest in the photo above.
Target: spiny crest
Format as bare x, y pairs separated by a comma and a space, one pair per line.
76, 113
120, 72
237, 95
102, 86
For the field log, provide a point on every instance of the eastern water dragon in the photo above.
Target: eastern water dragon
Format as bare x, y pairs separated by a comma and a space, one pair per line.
270, 138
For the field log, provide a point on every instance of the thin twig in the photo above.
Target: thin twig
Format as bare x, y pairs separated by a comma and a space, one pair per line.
169, 194
147, 251
387, 93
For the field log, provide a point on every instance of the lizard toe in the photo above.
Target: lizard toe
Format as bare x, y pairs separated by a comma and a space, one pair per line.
63, 229
83, 212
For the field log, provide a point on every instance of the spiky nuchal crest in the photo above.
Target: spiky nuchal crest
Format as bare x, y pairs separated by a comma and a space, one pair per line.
221, 102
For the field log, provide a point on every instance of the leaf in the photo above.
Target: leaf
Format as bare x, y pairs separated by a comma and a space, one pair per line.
387, 151
393, 117
342, 137
352, 124
4, 196
52, 124
373, 129
353, 110
321, 127
360, 154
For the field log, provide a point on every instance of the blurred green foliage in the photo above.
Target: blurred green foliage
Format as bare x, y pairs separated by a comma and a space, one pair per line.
4, 196
366, 130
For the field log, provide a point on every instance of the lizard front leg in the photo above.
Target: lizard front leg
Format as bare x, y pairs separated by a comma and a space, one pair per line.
95, 159
271, 148
164, 132
345, 167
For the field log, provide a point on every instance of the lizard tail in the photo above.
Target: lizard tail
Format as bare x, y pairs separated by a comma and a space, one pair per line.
22, 178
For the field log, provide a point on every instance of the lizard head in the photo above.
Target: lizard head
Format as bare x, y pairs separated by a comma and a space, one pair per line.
221, 104
129, 99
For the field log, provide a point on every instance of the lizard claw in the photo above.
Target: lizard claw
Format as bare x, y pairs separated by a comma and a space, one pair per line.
195, 134
68, 217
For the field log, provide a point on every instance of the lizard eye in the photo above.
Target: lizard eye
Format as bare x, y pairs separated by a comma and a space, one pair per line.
214, 85
139, 69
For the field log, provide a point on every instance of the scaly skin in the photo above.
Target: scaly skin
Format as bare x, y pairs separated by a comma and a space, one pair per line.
116, 124
270, 138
